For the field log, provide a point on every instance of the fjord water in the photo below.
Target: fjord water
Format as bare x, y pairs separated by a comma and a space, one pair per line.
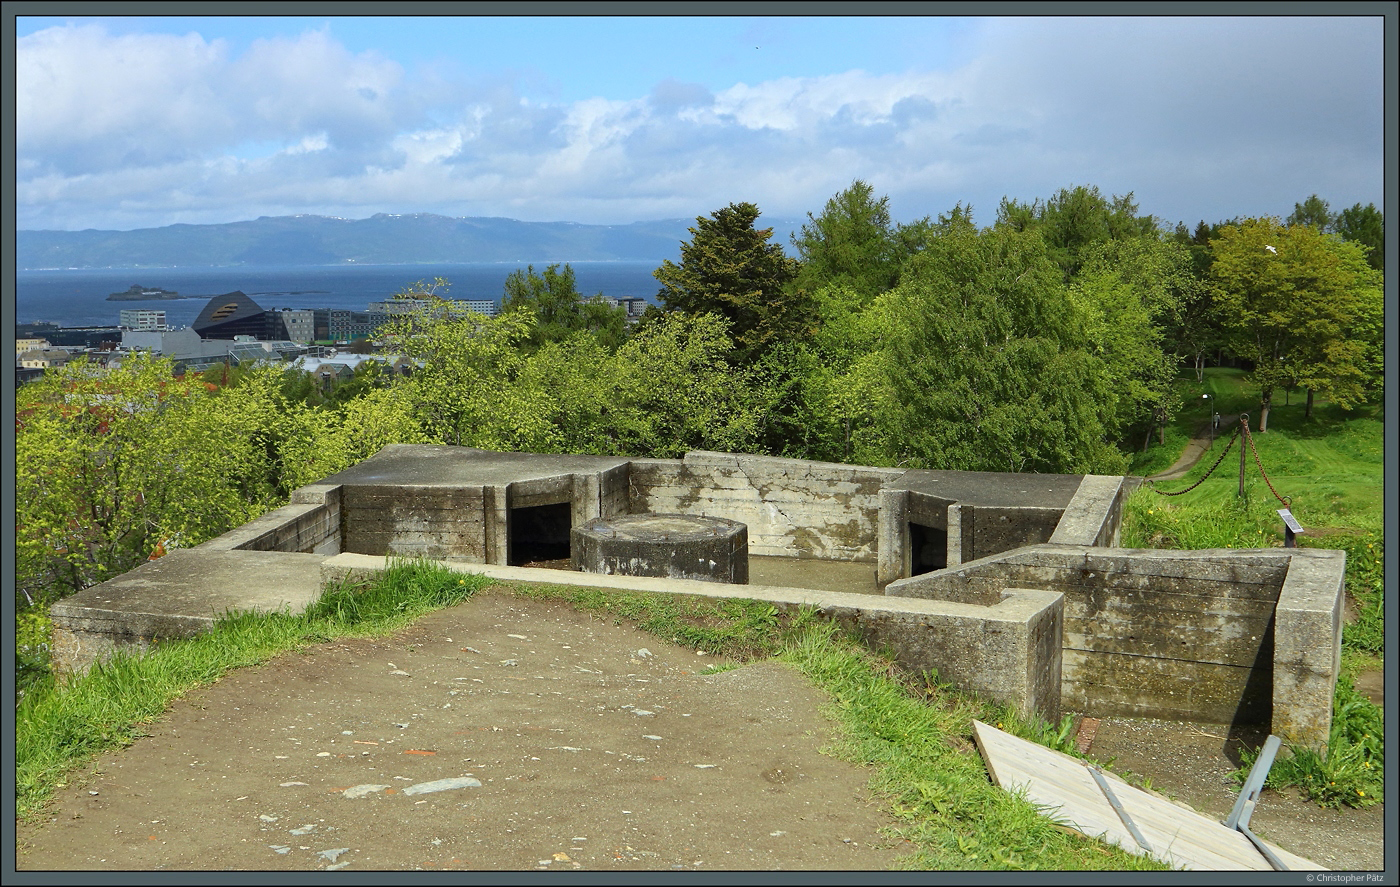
79, 297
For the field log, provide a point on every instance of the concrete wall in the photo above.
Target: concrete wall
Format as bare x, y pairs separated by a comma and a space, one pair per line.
1007, 650
1095, 514
1308, 643
973, 531
792, 508
177, 596
1205, 636
415, 521
985, 530
1215, 636
310, 523
469, 522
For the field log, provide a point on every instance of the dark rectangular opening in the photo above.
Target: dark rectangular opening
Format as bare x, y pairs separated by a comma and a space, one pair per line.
928, 549
539, 533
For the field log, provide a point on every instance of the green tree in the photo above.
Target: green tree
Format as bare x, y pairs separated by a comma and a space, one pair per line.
853, 244
1130, 293
559, 309
829, 397
729, 268
572, 382
675, 390
114, 466
1076, 218
982, 362
1313, 212
463, 390
331, 440
1288, 298
1364, 225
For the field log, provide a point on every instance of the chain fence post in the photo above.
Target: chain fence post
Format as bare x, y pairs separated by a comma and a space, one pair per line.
1244, 427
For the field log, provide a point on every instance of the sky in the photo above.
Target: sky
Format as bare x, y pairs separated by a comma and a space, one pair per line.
139, 122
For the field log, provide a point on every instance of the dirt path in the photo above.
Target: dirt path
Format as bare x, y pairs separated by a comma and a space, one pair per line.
1196, 448
513, 735
501, 734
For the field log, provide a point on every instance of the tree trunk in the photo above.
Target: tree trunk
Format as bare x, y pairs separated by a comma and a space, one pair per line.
1307, 411
1200, 367
1264, 417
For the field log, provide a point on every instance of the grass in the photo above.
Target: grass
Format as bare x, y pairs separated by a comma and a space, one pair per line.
917, 740
1352, 771
913, 734
1329, 469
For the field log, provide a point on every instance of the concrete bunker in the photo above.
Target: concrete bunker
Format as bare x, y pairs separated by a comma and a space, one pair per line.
1003, 615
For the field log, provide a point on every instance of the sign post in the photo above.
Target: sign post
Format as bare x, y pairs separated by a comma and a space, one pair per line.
1291, 528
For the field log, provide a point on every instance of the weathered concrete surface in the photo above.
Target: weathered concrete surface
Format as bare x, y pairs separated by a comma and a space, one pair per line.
791, 507
432, 465
975, 513
676, 546
1308, 645
310, 522
1095, 514
1191, 635
1209, 636
1007, 651
179, 595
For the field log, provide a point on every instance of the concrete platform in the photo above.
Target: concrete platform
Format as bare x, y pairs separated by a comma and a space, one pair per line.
178, 596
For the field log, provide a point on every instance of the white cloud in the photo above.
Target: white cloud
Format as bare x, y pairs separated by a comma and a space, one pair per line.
133, 131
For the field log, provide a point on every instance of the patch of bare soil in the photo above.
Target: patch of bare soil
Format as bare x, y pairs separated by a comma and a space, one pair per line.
501, 734
505, 734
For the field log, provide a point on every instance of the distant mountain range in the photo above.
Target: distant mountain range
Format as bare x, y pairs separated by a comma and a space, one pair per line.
419, 238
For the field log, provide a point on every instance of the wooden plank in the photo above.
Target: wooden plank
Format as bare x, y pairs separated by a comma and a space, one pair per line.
1066, 790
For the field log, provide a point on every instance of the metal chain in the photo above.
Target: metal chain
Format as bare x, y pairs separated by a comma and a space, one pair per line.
1223, 453
1244, 423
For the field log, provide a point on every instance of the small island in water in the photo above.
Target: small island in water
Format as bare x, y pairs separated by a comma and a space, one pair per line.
139, 292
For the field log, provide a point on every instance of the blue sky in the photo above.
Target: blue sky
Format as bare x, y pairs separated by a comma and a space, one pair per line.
147, 121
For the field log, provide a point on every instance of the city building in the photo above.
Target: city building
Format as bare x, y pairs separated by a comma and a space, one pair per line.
42, 359
143, 319
299, 323
236, 314
635, 306
451, 307
30, 343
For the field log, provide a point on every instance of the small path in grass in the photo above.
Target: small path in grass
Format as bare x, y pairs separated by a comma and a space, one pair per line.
1197, 448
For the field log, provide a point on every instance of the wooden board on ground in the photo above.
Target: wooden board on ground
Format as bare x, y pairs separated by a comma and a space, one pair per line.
1068, 792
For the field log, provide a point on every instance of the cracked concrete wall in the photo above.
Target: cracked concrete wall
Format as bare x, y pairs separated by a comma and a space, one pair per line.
1204, 636
793, 508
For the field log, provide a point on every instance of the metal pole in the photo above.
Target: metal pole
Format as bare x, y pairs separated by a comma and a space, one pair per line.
1244, 433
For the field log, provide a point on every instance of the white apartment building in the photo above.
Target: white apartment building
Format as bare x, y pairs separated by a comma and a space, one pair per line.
143, 319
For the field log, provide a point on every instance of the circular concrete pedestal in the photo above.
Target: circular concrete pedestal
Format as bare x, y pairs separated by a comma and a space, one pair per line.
671, 546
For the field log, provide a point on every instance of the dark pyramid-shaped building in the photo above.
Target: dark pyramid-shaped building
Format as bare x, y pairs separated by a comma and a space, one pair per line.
236, 314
